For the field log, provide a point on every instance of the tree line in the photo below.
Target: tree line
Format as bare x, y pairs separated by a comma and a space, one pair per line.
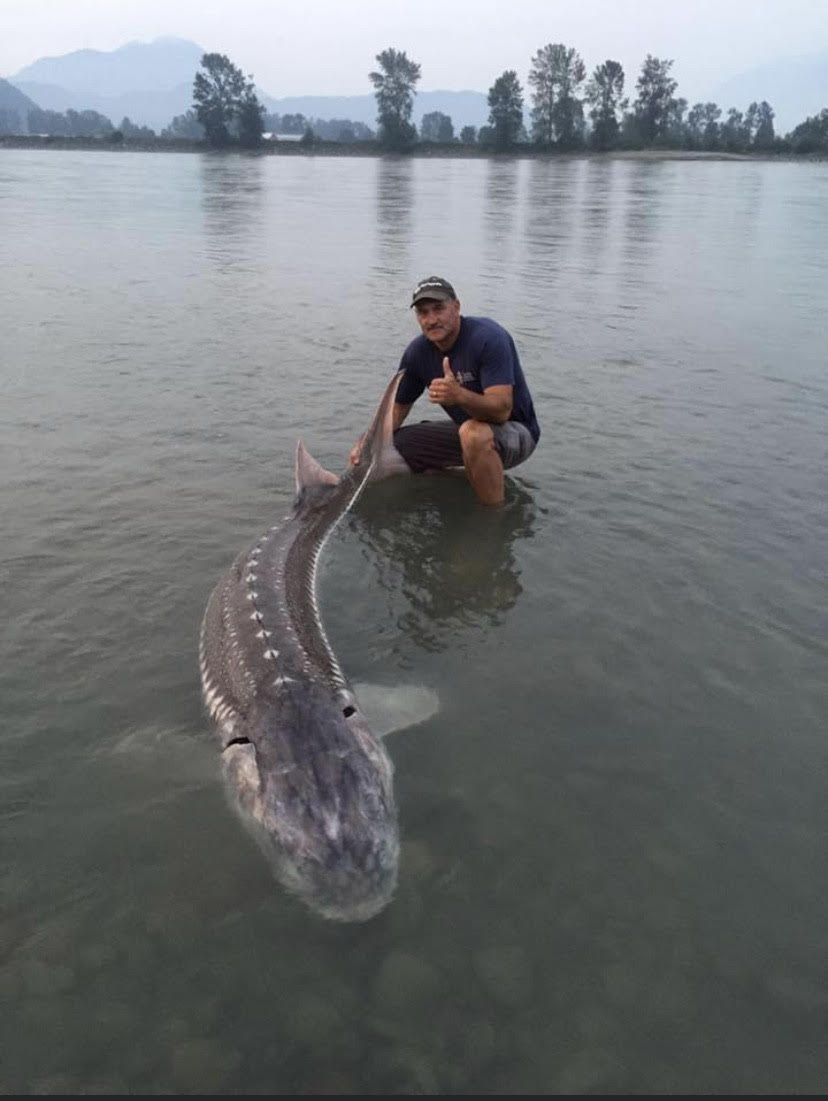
568, 111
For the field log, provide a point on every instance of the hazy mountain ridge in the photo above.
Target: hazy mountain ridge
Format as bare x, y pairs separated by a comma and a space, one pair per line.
13, 102
156, 66
796, 87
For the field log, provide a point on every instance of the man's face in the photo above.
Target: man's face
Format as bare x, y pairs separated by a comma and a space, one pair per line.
439, 320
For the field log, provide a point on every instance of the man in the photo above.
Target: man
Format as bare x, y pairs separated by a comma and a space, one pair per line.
470, 366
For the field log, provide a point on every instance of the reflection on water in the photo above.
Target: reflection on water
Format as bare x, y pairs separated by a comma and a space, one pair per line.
501, 199
613, 829
453, 561
644, 192
547, 228
394, 214
231, 199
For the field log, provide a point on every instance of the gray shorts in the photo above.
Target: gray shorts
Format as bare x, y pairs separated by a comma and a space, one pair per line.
435, 445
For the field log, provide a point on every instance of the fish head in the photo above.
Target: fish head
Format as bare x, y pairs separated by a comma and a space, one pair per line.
317, 791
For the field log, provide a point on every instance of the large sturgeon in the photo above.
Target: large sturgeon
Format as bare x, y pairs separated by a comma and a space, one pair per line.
306, 772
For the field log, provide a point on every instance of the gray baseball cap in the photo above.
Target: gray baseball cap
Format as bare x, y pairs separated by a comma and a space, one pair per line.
433, 286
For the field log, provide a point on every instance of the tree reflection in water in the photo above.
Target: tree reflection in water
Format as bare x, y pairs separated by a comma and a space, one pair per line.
452, 559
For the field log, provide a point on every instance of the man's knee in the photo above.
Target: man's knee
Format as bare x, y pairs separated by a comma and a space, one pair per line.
476, 438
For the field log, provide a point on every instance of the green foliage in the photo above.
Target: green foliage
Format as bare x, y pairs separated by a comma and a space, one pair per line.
605, 94
395, 82
655, 98
131, 132
225, 104
184, 126
506, 109
468, 135
72, 124
486, 135
811, 136
732, 132
250, 127
436, 127
557, 115
764, 136
702, 130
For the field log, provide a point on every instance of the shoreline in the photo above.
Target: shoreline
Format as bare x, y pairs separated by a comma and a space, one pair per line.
370, 149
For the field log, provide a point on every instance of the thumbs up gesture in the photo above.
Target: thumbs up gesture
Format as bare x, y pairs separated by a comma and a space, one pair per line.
445, 390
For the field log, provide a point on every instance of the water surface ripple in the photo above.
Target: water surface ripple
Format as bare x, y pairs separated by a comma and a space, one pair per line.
613, 873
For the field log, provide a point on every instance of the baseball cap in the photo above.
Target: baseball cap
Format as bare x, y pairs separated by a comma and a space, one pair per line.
432, 287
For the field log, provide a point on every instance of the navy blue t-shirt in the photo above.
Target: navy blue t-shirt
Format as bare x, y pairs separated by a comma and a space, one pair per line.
483, 355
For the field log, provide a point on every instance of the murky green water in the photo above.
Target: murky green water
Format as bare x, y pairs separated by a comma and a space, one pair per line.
614, 862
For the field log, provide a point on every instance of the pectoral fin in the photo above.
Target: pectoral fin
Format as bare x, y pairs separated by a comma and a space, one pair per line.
390, 708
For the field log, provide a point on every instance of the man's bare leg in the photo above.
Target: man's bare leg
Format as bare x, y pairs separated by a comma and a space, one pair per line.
482, 462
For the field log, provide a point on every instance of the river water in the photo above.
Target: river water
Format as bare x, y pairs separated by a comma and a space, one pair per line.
615, 838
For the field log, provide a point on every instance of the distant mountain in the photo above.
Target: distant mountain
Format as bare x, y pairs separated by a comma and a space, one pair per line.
14, 109
147, 82
795, 87
156, 66
152, 82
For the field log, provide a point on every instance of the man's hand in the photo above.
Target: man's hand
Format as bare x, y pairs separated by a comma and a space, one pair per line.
356, 450
446, 390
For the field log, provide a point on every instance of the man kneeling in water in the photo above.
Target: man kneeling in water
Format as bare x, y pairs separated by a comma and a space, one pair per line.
470, 366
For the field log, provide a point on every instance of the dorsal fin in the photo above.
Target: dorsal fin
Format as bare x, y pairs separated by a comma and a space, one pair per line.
309, 472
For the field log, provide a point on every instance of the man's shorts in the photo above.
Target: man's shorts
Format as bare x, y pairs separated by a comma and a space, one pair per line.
435, 445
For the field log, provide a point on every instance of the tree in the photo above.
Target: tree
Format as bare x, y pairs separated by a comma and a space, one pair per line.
811, 136
675, 129
605, 94
556, 75
468, 135
710, 134
250, 121
506, 109
293, 124
695, 126
72, 124
436, 127
394, 83
184, 126
732, 131
47, 122
223, 97
764, 137
131, 132
655, 97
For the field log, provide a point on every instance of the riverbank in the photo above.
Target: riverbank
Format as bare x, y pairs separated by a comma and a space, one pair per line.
371, 149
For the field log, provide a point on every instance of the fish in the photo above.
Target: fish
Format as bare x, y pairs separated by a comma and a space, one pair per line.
309, 779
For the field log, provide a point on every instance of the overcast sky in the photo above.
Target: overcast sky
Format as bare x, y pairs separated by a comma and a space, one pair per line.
296, 47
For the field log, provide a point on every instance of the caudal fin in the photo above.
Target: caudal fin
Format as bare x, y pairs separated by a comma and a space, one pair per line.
378, 451
309, 472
